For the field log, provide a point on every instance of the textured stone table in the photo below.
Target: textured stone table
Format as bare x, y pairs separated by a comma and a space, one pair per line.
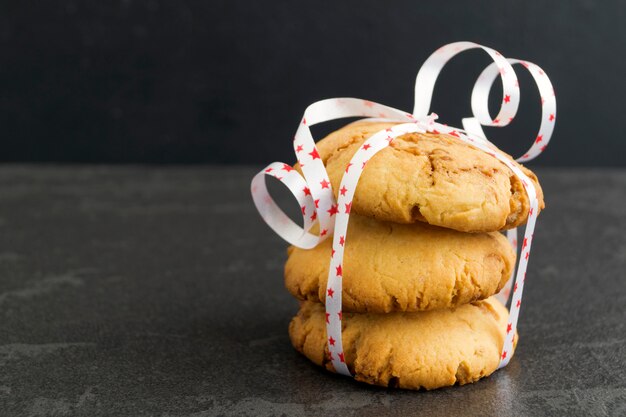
158, 291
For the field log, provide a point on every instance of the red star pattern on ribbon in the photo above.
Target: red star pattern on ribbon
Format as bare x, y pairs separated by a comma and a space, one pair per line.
314, 154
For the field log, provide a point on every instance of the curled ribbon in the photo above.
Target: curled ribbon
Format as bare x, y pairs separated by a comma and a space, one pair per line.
314, 193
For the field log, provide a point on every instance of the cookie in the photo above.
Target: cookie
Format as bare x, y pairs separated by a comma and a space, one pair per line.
427, 350
433, 178
404, 267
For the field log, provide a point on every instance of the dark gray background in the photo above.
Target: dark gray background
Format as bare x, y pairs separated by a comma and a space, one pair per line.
227, 81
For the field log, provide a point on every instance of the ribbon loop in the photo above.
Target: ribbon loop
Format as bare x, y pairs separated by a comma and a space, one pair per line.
480, 99
430, 70
274, 216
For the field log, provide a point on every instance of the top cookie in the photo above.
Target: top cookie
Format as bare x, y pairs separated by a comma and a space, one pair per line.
434, 178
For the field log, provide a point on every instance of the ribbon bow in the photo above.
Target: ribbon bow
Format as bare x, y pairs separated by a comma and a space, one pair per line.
314, 193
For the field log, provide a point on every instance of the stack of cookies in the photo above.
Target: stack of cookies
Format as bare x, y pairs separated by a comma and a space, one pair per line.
425, 257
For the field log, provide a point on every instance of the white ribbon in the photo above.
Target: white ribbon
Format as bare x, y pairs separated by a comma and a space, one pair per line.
314, 193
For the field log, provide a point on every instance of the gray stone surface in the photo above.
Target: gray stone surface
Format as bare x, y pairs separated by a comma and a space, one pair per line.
158, 291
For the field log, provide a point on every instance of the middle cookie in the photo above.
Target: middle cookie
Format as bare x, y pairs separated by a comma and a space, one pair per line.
404, 267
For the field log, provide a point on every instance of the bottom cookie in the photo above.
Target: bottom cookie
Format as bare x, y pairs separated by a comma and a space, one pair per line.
426, 350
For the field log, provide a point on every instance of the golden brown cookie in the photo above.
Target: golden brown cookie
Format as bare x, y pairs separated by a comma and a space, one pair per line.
428, 350
404, 267
434, 178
